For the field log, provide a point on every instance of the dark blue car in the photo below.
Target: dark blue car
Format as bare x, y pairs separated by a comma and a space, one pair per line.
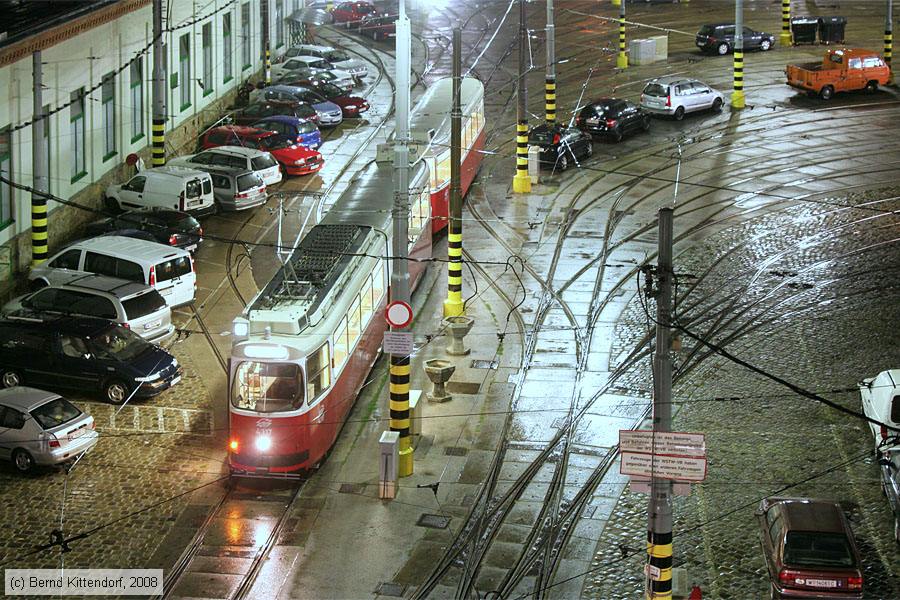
83, 353
299, 130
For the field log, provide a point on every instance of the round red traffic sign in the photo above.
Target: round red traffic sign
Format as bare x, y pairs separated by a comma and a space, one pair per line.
398, 314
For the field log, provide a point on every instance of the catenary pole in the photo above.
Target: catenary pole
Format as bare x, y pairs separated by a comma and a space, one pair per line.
659, 531
267, 40
785, 38
399, 370
453, 305
550, 82
39, 167
737, 95
521, 180
622, 58
889, 33
158, 127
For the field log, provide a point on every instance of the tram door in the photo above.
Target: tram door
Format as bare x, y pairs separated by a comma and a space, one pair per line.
318, 380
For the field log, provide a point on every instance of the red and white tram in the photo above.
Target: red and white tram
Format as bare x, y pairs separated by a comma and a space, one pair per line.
305, 344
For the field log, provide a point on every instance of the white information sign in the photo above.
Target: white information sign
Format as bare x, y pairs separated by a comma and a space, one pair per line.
677, 468
398, 342
652, 572
675, 443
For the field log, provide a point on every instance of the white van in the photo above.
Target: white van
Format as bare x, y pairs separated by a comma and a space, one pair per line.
169, 270
179, 188
880, 397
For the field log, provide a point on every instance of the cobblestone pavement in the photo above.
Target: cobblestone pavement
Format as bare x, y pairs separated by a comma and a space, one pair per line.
811, 295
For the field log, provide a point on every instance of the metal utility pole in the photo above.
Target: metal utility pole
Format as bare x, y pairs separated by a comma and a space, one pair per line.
267, 40
889, 33
737, 96
399, 371
521, 180
39, 167
622, 58
659, 531
550, 82
158, 129
785, 38
453, 305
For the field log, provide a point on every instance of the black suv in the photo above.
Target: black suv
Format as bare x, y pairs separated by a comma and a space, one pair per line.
719, 39
162, 225
83, 353
612, 117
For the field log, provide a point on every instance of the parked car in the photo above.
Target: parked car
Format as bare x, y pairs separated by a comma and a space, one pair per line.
675, 96
889, 461
300, 64
880, 396
330, 114
349, 14
351, 106
378, 27
171, 227
613, 118
561, 146
42, 428
134, 305
263, 110
337, 58
303, 76
170, 271
841, 70
301, 132
809, 549
178, 188
292, 158
237, 189
83, 353
719, 38
233, 155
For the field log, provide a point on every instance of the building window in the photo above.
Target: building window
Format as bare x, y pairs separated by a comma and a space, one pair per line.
6, 192
184, 69
279, 23
45, 145
246, 54
108, 100
207, 60
76, 133
226, 48
137, 99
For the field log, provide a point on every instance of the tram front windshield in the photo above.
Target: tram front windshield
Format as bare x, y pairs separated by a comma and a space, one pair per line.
267, 387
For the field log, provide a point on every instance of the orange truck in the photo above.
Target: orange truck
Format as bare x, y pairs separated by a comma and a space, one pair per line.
841, 70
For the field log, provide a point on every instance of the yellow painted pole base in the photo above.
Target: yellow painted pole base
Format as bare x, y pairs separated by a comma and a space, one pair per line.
454, 308
737, 99
622, 61
521, 183
617, 2
785, 39
405, 463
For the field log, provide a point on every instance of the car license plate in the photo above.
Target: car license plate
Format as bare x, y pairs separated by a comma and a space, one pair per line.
593, 121
822, 583
166, 291
175, 380
191, 248
153, 325
76, 434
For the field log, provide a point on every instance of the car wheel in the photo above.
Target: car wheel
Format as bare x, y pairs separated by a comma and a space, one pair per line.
116, 391
112, 205
765, 45
872, 87
717, 105
563, 162
679, 113
722, 49
645, 124
22, 460
827, 93
590, 149
10, 379
37, 284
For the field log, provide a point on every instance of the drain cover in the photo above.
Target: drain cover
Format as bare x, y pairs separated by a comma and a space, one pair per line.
484, 364
352, 488
463, 387
390, 589
455, 451
433, 521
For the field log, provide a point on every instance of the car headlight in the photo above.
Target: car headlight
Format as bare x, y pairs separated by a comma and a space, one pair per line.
153, 377
351, 107
300, 161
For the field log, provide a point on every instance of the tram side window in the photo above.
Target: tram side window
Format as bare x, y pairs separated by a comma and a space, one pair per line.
418, 213
377, 282
443, 168
354, 323
341, 345
366, 295
318, 373
267, 387
467, 134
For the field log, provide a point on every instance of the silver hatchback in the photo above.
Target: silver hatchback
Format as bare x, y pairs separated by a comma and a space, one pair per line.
42, 428
674, 96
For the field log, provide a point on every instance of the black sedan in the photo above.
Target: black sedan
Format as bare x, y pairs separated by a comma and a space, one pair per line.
170, 227
612, 117
256, 112
560, 146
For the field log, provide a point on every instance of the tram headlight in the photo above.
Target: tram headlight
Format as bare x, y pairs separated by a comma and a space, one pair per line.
240, 329
233, 445
263, 443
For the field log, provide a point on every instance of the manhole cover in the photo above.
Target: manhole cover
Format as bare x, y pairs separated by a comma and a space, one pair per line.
390, 589
352, 488
463, 387
456, 451
484, 364
433, 521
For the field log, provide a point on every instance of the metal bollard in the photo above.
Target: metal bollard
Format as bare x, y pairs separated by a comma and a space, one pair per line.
390, 455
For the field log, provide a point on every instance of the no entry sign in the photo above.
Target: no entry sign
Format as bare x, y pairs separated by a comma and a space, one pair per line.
398, 314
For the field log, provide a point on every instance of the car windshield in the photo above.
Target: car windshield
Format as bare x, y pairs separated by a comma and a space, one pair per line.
170, 269
248, 181
306, 128
58, 411
143, 305
118, 343
261, 163
706, 30
320, 64
817, 549
329, 90
267, 387
656, 89
337, 56
275, 142
541, 136
180, 222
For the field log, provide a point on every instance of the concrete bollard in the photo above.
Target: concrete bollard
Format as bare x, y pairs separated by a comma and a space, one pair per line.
439, 372
389, 445
458, 327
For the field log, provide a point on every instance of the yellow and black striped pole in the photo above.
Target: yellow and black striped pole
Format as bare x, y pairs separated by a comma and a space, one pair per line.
737, 94
399, 405
889, 35
521, 180
550, 100
622, 58
616, 2
453, 305
659, 557
550, 81
158, 125
39, 167
785, 39
158, 139
268, 67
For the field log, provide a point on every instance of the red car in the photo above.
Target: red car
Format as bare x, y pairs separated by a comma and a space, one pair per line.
378, 27
293, 159
351, 106
351, 13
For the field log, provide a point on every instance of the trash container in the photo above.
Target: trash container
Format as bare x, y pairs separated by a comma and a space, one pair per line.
804, 29
831, 30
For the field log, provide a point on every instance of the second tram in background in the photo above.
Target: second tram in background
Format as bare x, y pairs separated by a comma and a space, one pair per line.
306, 343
